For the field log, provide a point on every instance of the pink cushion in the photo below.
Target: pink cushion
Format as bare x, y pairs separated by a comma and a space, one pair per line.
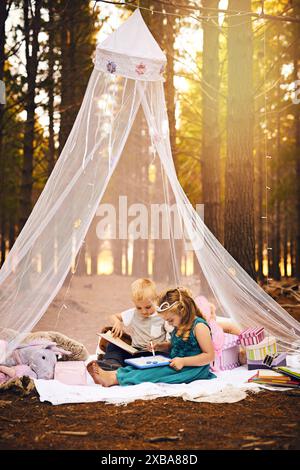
71, 372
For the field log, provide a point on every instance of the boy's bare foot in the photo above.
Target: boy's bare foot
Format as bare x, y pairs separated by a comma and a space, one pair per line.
101, 377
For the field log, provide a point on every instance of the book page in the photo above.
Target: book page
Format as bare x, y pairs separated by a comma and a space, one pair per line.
118, 342
262, 373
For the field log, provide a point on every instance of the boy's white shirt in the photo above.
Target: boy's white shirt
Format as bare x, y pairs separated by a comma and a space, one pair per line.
127, 316
141, 338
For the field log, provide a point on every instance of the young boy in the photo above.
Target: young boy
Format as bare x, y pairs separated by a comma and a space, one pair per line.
143, 323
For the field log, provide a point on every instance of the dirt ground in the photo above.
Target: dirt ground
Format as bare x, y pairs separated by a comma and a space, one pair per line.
267, 420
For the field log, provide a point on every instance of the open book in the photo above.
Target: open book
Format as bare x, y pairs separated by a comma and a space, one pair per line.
118, 342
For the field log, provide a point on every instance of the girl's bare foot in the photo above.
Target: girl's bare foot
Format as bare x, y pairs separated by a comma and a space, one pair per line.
100, 376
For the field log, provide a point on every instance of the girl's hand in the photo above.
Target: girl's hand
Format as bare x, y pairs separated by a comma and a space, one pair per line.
148, 348
177, 363
117, 329
155, 347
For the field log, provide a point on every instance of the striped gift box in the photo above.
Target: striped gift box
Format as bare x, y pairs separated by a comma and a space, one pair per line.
252, 336
259, 351
229, 358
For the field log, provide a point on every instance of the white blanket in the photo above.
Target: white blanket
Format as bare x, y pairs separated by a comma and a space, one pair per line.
228, 387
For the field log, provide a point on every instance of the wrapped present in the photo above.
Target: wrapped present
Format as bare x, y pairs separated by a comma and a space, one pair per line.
71, 372
229, 358
260, 350
252, 336
279, 360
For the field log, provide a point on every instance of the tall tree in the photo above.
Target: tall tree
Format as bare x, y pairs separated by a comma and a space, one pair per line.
32, 27
168, 43
51, 83
211, 172
239, 203
296, 62
77, 44
3, 16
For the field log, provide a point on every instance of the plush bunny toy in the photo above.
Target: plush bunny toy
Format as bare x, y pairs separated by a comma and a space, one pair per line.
9, 373
39, 355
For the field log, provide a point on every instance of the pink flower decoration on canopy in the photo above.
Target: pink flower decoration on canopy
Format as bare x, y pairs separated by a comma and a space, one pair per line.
111, 67
140, 68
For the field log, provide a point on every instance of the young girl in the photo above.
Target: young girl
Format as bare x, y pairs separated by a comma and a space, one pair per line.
191, 349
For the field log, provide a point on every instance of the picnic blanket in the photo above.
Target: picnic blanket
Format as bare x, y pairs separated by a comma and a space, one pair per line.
229, 387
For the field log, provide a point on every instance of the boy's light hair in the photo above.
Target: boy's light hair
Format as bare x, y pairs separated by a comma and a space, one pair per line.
143, 289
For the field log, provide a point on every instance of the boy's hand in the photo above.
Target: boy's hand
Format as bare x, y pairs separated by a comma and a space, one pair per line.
117, 329
177, 363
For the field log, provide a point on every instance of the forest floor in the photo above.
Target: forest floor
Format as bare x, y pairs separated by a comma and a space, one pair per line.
267, 420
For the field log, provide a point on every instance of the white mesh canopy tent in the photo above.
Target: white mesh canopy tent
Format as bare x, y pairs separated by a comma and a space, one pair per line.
113, 210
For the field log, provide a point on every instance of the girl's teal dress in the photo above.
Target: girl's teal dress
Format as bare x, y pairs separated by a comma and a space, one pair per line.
166, 374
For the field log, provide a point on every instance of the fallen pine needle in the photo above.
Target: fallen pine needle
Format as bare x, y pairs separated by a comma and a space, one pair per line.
258, 443
13, 420
250, 438
71, 433
163, 438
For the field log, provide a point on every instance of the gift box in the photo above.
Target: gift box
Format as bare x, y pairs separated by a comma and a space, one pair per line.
71, 372
229, 358
252, 336
279, 360
259, 351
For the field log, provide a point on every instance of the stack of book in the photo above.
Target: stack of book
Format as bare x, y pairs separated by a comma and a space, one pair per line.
290, 372
277, 379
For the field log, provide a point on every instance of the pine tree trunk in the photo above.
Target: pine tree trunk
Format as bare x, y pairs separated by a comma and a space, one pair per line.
3, 17
32, 26
169, 83
270, 238
126, 257
285, 242
276, 230
140, 246
92, 247
11, 230
80, 262
67, 75
260, 226
239, 203
210, 124
51, 63
117, 256
3, 236
297, 138
293, 248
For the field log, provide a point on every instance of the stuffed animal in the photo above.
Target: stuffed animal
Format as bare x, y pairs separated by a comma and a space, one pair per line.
10, 373
40, 356
77, 349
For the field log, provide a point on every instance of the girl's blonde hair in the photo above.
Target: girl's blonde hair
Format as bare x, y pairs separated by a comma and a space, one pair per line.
185, 307
143, 289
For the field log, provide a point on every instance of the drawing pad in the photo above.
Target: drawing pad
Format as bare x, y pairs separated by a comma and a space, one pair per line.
146, 362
